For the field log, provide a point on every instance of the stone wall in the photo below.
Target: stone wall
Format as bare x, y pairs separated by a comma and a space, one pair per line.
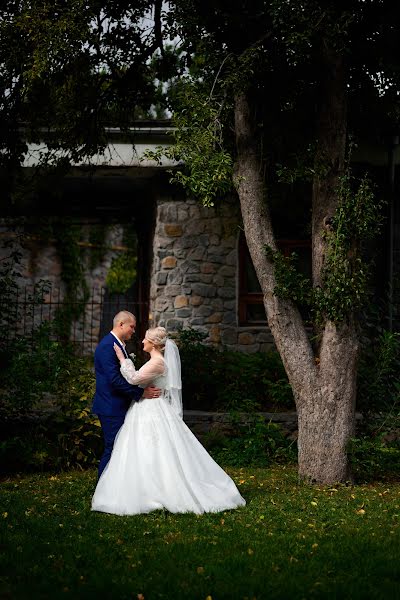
195, 274
40, 261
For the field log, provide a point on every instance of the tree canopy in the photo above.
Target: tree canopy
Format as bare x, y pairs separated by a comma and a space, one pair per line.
69, 69
267, 96
292, 86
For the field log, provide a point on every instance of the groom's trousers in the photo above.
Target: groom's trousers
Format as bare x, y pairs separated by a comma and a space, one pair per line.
110, 427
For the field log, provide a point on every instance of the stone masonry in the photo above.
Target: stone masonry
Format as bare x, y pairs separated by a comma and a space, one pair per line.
39, 261
195, 274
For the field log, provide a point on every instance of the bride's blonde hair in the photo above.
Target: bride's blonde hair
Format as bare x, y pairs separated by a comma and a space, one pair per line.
157, 336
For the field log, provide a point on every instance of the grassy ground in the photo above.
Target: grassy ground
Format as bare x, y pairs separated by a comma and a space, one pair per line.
291, 541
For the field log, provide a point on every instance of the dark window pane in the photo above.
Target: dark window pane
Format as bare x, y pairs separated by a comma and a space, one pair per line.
252, 284
303, 261
255, 313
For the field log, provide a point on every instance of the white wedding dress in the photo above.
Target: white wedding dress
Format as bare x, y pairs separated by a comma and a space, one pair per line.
157, 462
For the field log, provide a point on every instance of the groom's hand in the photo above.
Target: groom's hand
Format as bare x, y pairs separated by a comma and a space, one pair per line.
151, 392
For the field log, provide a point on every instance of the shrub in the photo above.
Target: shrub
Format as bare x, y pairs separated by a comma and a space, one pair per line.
251, 443
31, 367
374, 458
61, 433
378, 373
226, 380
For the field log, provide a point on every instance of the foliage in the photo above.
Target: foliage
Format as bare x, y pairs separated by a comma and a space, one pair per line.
11, 270
68, 235
205, 167
300, 536
253, 442
370, 458
31, 367
122, 273
200, 384
70, 70
97, 241
231, 381
345, 275
123, 270
61, 433
375, 452
290, 284
249, 381
378, 385
357, 220
44, 388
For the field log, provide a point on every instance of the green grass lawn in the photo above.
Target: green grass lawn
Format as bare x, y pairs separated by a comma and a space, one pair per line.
291, 541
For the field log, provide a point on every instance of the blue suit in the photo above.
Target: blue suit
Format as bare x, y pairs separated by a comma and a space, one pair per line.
113, 394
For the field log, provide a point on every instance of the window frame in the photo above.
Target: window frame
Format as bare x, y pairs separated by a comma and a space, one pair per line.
246, 298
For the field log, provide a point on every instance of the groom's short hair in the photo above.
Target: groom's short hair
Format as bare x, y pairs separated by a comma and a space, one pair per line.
122, 317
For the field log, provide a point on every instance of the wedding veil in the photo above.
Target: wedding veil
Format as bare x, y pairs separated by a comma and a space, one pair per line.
174, 381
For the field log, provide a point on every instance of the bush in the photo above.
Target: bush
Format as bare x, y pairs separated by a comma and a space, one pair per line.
59, 433
231, 381
31, 367
253, 443
379, 373
373, 458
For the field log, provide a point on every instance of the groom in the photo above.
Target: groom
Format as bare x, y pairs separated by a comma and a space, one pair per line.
114, 394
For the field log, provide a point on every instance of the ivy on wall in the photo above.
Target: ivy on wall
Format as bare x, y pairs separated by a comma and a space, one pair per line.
345, 273
81, 251
67, 235
97, 241
123, 271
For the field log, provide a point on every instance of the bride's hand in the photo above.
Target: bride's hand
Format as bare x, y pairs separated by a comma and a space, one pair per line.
119, 353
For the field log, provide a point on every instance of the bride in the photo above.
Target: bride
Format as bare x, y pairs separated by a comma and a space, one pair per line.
157, 462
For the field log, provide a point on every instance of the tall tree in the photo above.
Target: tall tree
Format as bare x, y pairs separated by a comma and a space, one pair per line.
69, 70
273, 89
314, 67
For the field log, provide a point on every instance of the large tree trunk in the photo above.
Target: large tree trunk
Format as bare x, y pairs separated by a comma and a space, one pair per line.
324, 386
326, 417
326, 421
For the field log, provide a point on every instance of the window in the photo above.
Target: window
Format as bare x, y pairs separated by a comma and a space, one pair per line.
251, 306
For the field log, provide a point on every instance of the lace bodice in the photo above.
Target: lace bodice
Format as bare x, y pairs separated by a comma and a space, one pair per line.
153, 372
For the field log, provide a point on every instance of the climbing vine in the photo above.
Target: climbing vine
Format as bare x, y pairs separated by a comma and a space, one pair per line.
97, 241
345, 274
67, 235
290, 284
358, 219
123, 270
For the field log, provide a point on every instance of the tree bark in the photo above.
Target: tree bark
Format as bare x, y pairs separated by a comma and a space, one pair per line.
323, 387
284, 318
326, 418
330, 153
